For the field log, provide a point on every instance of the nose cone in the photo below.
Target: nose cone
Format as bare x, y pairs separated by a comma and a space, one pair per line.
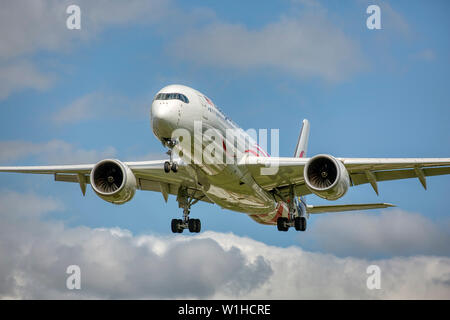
164, 118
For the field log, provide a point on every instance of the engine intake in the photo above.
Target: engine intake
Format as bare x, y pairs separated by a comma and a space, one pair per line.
326, 177
113, 181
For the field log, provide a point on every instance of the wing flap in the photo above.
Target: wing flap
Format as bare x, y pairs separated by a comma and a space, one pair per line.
71, 178
361, 178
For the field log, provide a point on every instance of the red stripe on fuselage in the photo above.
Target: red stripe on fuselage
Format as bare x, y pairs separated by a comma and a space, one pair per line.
252, 152
279, 213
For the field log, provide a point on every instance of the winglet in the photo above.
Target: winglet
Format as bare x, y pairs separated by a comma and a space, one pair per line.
302, 143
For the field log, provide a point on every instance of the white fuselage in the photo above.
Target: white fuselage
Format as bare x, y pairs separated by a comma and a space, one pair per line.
229, 184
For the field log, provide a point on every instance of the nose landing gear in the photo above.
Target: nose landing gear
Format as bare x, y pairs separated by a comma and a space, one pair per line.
170, 165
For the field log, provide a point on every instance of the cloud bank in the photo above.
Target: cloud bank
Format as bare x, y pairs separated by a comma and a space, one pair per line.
390, 233
114, 263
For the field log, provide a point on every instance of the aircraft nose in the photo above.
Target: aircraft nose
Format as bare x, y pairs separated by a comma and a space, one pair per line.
164, 118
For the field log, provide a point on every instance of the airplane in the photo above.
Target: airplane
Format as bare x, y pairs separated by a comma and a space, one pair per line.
239, 183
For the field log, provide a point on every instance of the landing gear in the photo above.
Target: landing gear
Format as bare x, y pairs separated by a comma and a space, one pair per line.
185, 202
299, 223
170, 165
295, 217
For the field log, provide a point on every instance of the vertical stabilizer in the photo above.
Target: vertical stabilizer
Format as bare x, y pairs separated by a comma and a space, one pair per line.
302, 143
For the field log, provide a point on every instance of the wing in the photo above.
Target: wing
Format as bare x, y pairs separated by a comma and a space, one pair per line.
289, 171
149, 175
346, 207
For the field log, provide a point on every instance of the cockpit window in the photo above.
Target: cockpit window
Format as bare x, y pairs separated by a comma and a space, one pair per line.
172, 96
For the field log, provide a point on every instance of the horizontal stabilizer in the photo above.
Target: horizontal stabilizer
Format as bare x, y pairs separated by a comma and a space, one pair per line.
347, 207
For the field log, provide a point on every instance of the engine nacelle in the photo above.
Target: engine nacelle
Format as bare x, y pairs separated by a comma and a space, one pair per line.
326, 177
113, 181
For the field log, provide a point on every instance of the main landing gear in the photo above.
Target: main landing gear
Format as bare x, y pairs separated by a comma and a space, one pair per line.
295, 219
299, 223
185, 202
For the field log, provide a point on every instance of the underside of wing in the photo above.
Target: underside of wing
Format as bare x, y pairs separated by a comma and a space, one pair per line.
278, 174
372, 170
272, 172
150, 175
346, 207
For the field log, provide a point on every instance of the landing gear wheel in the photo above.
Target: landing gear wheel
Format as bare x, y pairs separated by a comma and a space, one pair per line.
176, 225
300, 223
194, 225
174, 167
167, 167
282, 224
198, 225
180, 228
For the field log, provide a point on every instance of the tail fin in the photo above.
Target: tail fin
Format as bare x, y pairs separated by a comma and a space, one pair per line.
302, 143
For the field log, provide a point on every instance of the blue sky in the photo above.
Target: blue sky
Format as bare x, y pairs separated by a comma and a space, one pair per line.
83, 95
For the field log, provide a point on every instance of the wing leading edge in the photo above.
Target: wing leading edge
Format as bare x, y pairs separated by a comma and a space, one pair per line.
149, 175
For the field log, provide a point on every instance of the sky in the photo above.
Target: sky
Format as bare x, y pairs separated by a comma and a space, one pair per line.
79, 96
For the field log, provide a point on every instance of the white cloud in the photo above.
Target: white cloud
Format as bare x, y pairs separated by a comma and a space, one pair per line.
31, 26
393, 21
101, 105
82, 108
393, 232
22, 75
116, 264
52, 152
304, 46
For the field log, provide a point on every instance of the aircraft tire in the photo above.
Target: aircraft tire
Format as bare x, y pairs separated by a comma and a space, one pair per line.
281, 224
167, 167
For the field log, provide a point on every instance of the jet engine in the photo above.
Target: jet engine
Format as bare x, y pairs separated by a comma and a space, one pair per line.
113, 181
326, 177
